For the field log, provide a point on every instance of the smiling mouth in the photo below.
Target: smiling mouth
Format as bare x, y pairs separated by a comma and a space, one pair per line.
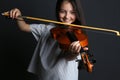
67, 21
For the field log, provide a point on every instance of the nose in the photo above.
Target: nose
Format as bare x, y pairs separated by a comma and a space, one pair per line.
67, 15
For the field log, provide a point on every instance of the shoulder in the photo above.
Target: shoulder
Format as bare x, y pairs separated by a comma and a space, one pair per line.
42, 26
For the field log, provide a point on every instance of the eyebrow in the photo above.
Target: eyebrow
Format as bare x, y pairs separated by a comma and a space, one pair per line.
70, 10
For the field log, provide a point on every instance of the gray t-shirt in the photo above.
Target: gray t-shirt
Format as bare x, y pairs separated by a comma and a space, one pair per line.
46, 61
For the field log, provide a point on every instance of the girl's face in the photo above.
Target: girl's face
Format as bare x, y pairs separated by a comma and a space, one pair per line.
67, 14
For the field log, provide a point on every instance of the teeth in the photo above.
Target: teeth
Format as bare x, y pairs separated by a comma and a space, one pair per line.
66, 21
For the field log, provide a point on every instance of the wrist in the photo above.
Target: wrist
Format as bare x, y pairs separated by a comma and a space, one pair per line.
20, 19
71, 56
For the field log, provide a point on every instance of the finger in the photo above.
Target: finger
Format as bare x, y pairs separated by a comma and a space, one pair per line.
78, 48
73, 44
85, 48
76, 45
10, 13
13, 13
18, 13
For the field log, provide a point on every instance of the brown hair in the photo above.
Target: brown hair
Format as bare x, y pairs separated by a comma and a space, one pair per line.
77, 6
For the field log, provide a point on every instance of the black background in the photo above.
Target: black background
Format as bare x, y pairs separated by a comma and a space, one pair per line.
16, 47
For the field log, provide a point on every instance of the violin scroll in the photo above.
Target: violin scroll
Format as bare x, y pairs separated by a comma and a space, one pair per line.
87, 64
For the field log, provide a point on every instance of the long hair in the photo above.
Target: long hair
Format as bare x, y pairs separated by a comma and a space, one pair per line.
80, 20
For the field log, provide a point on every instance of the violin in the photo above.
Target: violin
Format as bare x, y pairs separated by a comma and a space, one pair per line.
65, 36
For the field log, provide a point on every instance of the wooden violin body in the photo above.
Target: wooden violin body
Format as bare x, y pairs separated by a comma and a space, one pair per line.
65, 36
61, 34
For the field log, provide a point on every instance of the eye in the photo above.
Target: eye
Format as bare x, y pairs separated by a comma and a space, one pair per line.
73, 12
62, 11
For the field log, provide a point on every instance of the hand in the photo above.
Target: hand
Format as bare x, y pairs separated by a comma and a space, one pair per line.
15, 13
75, 47
74, 50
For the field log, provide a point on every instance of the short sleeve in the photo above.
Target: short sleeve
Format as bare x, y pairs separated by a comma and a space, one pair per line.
37, 30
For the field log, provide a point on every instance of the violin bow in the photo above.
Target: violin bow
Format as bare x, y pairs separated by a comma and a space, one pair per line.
74, 25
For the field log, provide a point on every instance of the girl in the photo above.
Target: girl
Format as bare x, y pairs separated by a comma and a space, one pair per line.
49, 61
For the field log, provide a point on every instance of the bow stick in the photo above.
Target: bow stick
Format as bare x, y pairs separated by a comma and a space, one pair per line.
74, 25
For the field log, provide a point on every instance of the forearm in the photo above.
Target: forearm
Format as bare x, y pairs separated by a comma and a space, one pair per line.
23, 26
70, 56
